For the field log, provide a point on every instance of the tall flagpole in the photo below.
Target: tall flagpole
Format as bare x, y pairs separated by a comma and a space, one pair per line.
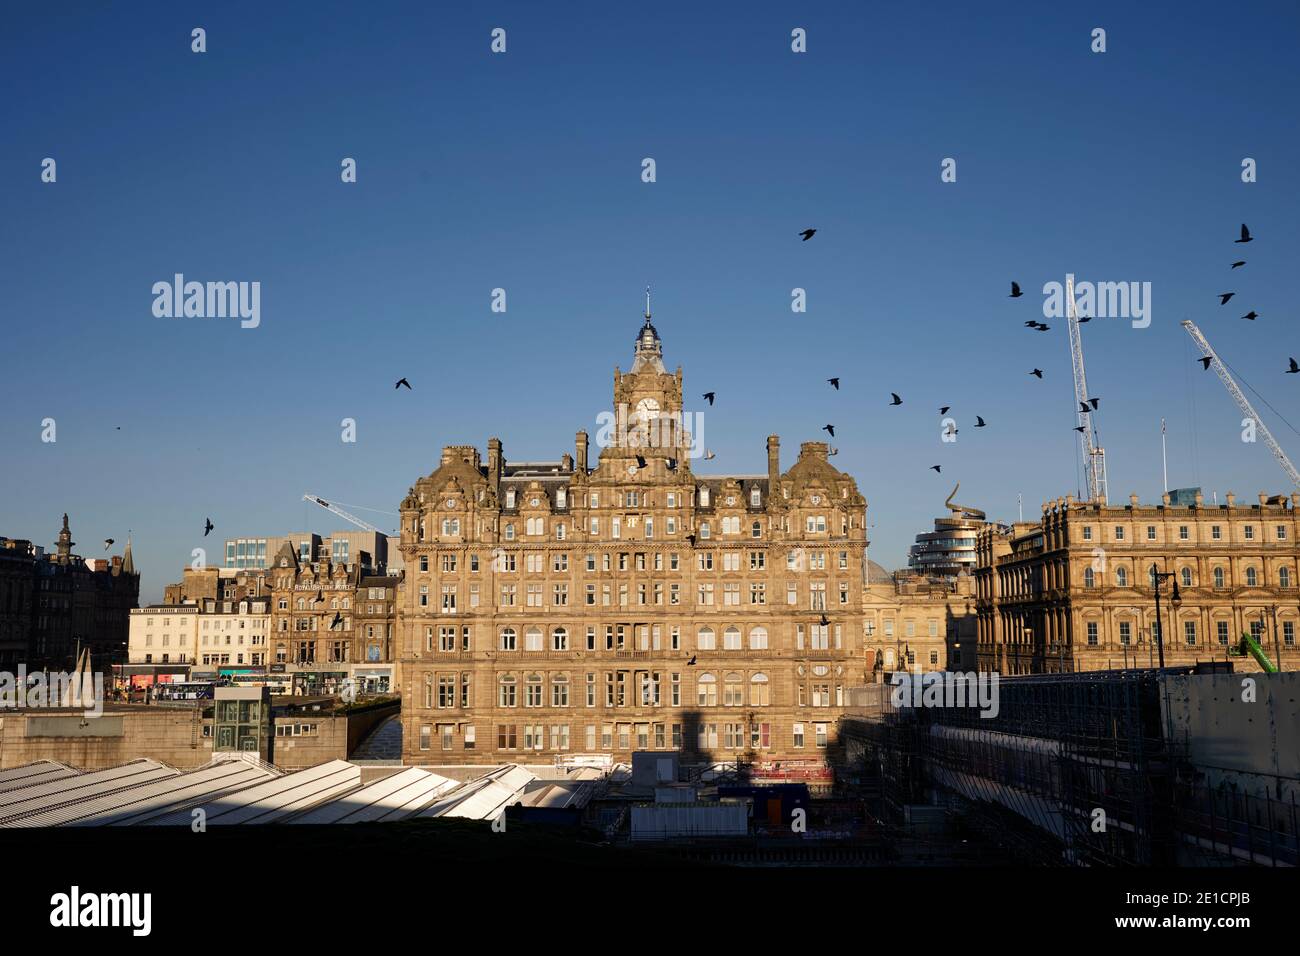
1164, 462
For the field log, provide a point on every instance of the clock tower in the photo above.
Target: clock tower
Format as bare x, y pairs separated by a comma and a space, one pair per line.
648, 409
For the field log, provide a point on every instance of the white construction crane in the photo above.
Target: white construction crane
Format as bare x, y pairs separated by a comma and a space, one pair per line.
340, 512
1241, 401
1094, 456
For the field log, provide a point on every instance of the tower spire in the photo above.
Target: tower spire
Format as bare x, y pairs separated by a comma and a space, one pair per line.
647, 304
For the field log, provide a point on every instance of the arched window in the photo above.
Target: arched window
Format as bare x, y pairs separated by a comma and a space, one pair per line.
509, 640
1187, 577
707, 690
733, 690
1284, 577
507, 691
560, 639
731, 639
760, 691
302, 604
533, 639
1252, 578
704, 529
758, 638
1218, 578
510, 531
1121, 577
533, 691
704, 641
560, 690
1089, 578
756, 530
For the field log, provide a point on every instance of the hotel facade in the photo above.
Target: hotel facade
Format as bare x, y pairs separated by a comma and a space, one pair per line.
615, 601
1073, 591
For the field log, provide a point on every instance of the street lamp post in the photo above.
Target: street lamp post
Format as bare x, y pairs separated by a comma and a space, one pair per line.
1157, 578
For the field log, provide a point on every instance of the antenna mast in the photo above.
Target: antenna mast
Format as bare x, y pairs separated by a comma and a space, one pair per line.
1241, 401
1094, 456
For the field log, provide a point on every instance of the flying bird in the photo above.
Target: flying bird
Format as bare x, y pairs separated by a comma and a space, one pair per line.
824, 621
640, 461
207, 526
1031, 324
1037, 373
1080, 428
979, 422
1245, 234
833, 451
672, 464
1252, 315
709, 455
1043, 327
1015, 291
691, 539
829, 428
691, 662
1083, 408
338, 620
1239, 262
1084, 318
709, 396
1094, 402
320, 595
1293, 369
1225, 296
937, 469
808, 234
896, 401
835, 382
944, 410
401, 382
108, 543
1205, 362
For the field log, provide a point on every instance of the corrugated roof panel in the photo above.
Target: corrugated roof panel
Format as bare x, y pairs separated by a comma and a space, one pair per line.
86, 786
42, 771
273, 800
391, 798
149, 799
484, 798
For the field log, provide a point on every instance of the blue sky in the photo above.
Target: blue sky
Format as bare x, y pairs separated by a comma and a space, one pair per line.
522, 171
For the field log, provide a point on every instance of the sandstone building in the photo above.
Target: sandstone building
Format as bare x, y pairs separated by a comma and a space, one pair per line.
52, 605
1073, 591
607, 603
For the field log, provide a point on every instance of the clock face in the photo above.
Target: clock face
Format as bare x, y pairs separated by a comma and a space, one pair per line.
647, 408
631, 469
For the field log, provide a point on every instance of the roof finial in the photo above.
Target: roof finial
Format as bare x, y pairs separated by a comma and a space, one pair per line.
647, 303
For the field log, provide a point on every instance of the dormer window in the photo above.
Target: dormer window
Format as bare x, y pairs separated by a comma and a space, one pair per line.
510, 497
562, 498
704, 496
755, 499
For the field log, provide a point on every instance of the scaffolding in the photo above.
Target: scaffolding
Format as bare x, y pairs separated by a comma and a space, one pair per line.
1073, 769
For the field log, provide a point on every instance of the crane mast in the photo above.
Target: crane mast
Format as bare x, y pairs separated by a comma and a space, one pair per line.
1094, 456
1208, 352
341, 513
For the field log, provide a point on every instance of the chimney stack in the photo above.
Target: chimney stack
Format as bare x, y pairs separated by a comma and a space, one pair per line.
496, 463
581, 445
773, 462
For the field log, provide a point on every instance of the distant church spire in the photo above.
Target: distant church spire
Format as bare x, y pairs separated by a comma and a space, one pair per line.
647, 305
66, 543
128, 563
